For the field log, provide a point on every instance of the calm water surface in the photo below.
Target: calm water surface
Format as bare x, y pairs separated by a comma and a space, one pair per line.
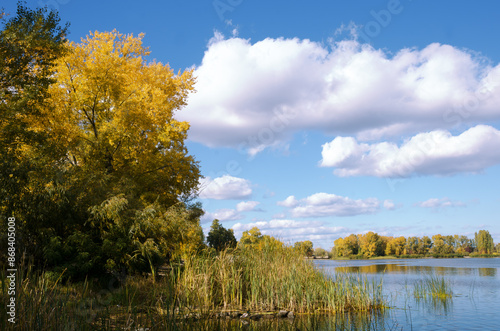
475, 283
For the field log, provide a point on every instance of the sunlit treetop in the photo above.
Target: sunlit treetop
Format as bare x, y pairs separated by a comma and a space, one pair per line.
114, 113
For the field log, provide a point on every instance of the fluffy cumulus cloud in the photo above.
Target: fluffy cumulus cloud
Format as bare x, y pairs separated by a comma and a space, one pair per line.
325, 204
222, 215
247, 206
290, 231
255, 95
274, 224
437, 204
227, 214
225, 187
431, 153
288, 202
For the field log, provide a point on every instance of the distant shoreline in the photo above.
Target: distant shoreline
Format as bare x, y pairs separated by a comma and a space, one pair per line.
403, 258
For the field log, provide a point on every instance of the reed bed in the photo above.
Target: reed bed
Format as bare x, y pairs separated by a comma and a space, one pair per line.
44, 303
271, 279
432, 287
189, 297
40, 299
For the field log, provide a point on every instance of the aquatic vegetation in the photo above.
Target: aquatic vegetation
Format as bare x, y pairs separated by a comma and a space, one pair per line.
193, 295
432, 286
269, 279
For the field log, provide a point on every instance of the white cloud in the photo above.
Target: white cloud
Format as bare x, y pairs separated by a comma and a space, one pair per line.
273, 224
227, 214
279, 215
325, 204
225, 187
222, 215
389, 205
438, 204
288, 202
247, 206
252, 96
431, 153
290, 231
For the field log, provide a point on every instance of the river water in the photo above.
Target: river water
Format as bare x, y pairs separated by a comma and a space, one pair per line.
474, 282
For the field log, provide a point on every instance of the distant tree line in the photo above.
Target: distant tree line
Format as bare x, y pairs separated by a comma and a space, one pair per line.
372, 244
220, 238
365, 245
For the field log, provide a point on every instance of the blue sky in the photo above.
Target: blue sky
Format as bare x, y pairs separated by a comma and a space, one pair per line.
314, 120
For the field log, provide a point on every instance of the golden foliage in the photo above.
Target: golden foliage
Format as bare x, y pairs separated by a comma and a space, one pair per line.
114, 113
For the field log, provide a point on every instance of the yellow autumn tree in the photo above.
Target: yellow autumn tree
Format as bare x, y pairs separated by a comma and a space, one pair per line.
440, 245
304, 247
124, 165
370, 244
348, 246
113, 113
395, 246
270, 243
251, 238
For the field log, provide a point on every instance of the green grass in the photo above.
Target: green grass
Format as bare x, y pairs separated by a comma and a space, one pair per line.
484, 255
386, 257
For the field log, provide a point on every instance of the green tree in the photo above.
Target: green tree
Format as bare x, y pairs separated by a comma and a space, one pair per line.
31, 42
411, 246
220, 237
424, 245
464, 244
451, 243
484, 242
441, 245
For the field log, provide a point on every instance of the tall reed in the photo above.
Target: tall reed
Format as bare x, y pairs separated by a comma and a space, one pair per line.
432, 286
270, 279
40, 299
240, 280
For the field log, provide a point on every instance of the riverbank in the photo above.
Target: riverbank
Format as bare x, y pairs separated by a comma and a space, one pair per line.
434, 256
252, 284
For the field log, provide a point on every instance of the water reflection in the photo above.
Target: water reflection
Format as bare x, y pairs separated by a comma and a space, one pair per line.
348, 321
435, 305
416, 269
490, 272
474, 283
